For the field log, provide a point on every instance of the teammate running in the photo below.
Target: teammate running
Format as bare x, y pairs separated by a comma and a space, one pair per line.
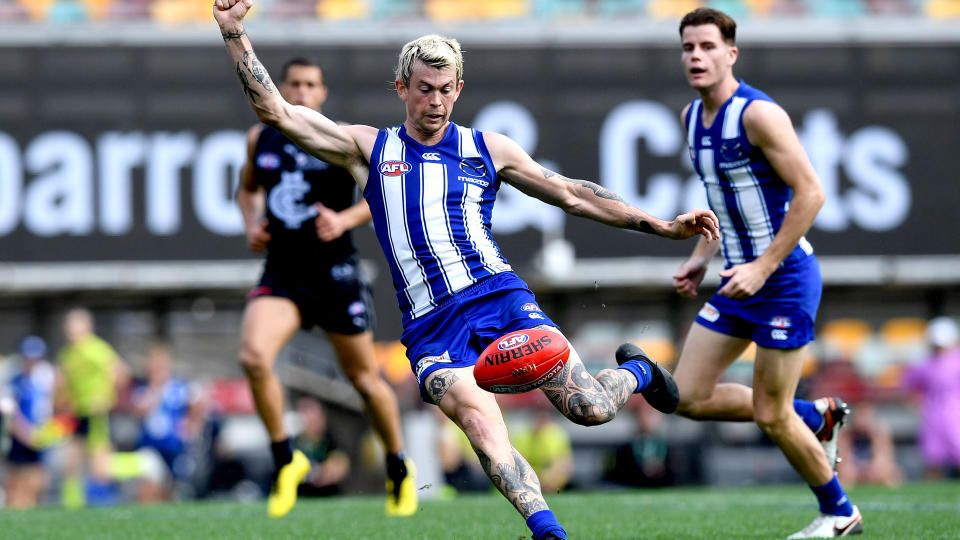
766, 193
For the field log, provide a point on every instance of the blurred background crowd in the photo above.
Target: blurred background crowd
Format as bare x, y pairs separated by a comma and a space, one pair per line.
83, 424
181, 11
123, 270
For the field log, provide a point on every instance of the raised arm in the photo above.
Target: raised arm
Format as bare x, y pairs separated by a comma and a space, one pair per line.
315, 133
587, 199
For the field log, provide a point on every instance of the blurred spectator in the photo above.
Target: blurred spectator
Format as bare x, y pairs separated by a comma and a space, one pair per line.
91, 372
32, 392
172, 416
643, 460
546, 445
867, 451
329, 465
937, 382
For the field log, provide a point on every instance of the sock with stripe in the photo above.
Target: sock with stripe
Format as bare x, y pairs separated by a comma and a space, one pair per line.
640, 370
833, 500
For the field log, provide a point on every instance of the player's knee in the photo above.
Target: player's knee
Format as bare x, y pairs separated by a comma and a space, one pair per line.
691, 406
770, 420
255, 360
365, 381
479, 427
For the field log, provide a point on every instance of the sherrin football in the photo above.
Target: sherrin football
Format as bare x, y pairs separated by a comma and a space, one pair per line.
521, 361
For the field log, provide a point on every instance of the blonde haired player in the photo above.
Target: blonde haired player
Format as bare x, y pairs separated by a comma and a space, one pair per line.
431, 185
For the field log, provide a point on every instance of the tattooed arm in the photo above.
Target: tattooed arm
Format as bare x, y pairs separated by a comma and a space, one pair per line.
588, 199
347, 146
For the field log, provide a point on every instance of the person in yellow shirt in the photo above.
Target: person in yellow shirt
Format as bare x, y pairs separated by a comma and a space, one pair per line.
90, 372
546, 445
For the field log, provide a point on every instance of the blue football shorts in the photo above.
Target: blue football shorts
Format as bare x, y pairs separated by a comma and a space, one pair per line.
460, 328
779, 316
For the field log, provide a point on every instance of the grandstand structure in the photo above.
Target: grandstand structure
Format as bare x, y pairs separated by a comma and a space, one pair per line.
120, 125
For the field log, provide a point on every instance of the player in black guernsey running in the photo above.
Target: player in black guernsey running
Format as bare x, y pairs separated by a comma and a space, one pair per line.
300, 210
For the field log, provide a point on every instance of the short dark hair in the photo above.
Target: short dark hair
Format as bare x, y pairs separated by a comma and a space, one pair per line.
701, 16
299, 61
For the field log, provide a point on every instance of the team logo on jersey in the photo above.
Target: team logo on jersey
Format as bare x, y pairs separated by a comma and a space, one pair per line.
473, 167
512, 342
780, 322
394, 168
529, 307
286, 200
269, 161
431, 156
731, 150
709, 312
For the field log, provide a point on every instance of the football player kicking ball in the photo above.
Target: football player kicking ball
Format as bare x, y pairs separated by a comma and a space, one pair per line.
759, 180
300, 210
431, 185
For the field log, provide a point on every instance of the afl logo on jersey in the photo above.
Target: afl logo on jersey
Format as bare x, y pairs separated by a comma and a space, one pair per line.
473, 167
394, 168
268, 161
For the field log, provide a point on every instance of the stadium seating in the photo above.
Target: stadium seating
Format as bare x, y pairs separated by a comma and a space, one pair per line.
191, 11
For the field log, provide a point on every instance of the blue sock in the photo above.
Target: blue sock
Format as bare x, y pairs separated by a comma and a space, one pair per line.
808, 413
544, 522
832, 499
641, 371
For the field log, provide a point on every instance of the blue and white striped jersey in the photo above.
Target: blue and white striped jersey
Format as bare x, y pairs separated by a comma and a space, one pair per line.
431, 209
743, 189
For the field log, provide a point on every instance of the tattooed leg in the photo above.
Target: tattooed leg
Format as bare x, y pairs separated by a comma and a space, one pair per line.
439, 383
516, 481
586, 400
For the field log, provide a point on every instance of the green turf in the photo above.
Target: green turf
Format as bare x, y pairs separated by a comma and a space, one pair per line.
912, 511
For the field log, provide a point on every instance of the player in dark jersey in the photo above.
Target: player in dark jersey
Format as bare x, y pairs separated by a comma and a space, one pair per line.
300, 210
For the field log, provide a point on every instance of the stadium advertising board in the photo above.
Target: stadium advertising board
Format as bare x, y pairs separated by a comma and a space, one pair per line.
132, 153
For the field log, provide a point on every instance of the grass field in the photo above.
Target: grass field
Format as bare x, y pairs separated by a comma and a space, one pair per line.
913, 511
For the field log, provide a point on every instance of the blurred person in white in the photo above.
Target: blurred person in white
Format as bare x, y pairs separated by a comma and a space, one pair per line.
761, 184
300, 211
31, 389
171, 414
936, 381
329, 464
431, 187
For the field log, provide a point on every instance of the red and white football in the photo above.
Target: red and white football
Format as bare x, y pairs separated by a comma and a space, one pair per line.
520, 361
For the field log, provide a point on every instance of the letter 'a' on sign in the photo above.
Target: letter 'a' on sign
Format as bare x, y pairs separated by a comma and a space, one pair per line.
521, 361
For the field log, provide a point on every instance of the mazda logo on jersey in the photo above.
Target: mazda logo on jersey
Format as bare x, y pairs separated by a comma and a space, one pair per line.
394, 168
473, 167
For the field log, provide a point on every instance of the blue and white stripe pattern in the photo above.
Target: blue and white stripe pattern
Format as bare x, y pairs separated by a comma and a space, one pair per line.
743, 189
431, 209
